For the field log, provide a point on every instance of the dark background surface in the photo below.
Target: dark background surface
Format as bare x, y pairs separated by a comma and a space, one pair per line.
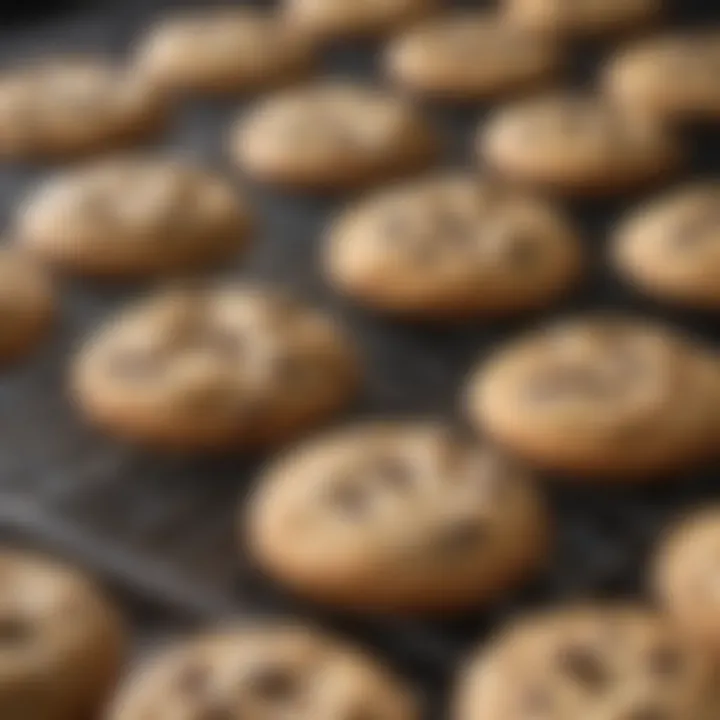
160, 530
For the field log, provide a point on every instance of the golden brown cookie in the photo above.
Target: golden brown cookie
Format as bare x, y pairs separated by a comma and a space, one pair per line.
263, 672
134, 216
468, 56
61, 642
215, 367
332, 136
403, 517
455, 246
222, 50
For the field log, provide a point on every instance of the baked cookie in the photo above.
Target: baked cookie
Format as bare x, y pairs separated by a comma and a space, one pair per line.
27, 305
264, 671
583, 18
686, 576
133, 216
600, 396
452, 245
604, 663
223, 50
469, 56
670, 247
215, 367
67, 106
402, 517
332, 135
341, 19
575, 144
61, 642
671, 77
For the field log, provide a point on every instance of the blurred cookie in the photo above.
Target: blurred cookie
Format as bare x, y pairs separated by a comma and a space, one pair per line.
134, 216
671, 77
223, 50
332, 136
670, 247
215, 367
686, 576
604, 663
397, 517
67, 106
469, 56
342, 19
582, 18
27, 305
575, 144
603, 396
263, 672
61, 642
452, 245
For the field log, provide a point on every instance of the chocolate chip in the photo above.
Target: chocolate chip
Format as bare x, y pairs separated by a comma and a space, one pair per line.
273, 684
392, 472
521, 252
350, 499
461, 537
666, 661
451, 227
216, 711
648, 712
583, 665
193, 679
14, 631
224, 341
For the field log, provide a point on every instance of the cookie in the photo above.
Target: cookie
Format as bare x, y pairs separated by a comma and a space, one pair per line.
469, 56
68, 106
685, 576
670, 77
27, 305
262, 672
401, 517
331, 136
133, 216
212, 367
582, 18
670, 247
61, 642
575, 144
343, 19
603, 662
223, 50
453, 246
601, 396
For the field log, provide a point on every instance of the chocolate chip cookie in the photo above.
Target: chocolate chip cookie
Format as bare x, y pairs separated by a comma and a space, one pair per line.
266, 671
576, 144
332, 136
134, 216
67, 106
61, 643
215, 367
670, 247
223, 50
604, 663
469, 56
402, 517
453, 246
601, 396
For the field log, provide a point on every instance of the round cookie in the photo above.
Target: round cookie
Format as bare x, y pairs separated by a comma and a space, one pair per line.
331, 136
452, 245
133, 216
671, 77
68, 106
223, 50
576, 144
601, 396
469, 56
215, 367
27, 305
686, 576
582, 18
402, 517
264, 671
343, 19
670, 247
602, 662
61, 643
